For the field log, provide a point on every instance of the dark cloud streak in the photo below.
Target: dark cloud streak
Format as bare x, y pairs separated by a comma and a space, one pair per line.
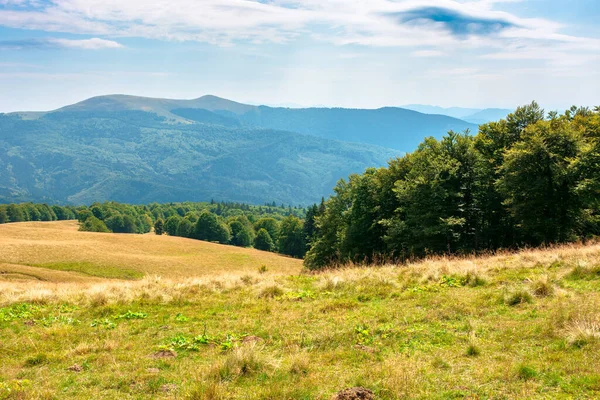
457, 23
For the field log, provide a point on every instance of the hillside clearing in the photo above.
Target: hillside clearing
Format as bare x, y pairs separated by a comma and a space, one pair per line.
33, 249
508, 326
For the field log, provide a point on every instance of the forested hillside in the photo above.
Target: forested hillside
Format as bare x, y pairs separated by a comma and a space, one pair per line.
390, 127
80, 157
528, 180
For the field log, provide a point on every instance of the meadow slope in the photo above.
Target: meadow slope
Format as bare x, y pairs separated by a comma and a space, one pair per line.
507, 326
35, 250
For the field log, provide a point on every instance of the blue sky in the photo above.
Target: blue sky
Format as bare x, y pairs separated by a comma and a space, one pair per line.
359, 53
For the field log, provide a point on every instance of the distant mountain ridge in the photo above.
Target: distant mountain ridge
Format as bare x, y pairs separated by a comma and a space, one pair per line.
139, 150
161, 107
390, 127
473, 115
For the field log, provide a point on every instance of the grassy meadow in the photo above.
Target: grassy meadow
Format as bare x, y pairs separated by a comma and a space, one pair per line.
90, 315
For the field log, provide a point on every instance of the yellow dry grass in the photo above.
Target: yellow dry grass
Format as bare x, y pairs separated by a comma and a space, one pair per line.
25, 247
175, 266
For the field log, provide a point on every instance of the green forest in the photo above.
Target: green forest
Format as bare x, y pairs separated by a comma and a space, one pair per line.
529, 180
532, 179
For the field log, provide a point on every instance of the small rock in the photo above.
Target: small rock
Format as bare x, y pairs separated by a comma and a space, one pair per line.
29, 322
164, 354
75, 368
355, 393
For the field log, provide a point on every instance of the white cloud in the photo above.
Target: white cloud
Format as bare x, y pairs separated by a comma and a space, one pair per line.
86, 44
50, 43
341, 22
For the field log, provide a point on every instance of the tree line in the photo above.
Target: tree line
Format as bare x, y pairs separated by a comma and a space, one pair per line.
270, 227
35, 212
528, 180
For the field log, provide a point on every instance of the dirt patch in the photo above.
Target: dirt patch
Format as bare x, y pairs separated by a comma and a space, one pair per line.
168, 388
252, 339
153, 370
164, 354
355, 393
75, 368
364, 348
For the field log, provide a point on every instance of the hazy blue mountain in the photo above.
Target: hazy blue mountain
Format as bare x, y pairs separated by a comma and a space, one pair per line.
476, 116
137, 149
80, 156
161, 107
455, 112
487, 115
389, 127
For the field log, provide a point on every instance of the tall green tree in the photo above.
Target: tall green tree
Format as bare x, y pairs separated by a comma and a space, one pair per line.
3, 215
270, 225
263, 240
15, 213
172, 224
93, 224
185, 228
240, 234
326, 247
291, 237
539, 182
310, 224
159, 226
209, 228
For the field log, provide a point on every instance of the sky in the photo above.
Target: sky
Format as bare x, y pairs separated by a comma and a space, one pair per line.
343, 53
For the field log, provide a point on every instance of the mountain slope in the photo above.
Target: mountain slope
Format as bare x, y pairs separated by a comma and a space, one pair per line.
487, 115
396, 128
390, 127
135, 156
161, 107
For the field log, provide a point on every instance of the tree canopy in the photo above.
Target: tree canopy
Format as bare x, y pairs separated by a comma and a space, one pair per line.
524, 181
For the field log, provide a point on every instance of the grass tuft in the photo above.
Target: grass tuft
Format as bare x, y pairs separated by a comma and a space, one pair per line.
517, 297
525, 372
270, 292
472, 350
582, 332
241, 362
300, 364
581, 272
38, 359
474, 279
542, 287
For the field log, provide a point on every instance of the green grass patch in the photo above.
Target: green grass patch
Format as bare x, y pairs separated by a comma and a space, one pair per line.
92, 269
309, 337
584, 273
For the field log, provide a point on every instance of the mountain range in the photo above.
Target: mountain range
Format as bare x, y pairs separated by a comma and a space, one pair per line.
139, 150
473, 115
